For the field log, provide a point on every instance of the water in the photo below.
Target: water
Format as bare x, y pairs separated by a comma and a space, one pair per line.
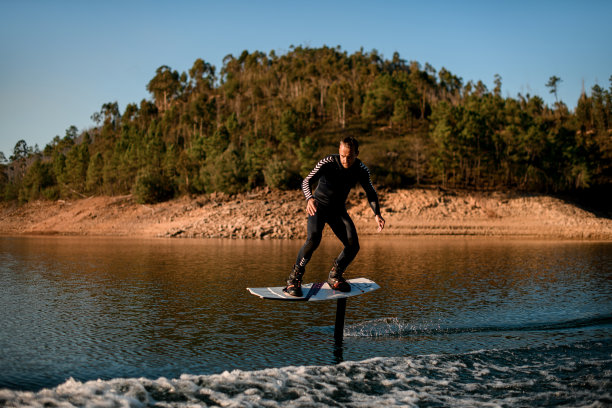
457, 322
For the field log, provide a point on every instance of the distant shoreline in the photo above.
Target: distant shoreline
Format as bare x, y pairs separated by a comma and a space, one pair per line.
266, 214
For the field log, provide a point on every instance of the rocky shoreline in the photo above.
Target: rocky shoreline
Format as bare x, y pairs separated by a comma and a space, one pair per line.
266, 214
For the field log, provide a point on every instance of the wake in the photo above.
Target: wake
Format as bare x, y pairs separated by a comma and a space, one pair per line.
396, 327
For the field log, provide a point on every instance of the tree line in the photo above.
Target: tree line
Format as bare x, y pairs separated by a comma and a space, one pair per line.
264, 120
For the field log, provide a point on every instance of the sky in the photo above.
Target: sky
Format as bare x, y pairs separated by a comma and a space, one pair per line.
61, 60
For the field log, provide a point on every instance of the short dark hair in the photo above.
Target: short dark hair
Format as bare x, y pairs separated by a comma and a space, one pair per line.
351, 142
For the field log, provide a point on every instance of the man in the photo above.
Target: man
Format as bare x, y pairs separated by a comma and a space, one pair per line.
336, 175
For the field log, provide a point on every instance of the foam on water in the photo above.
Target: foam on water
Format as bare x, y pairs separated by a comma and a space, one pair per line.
576, 375
393, 326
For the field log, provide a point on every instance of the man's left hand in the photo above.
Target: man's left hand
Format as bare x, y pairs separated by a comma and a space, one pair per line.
381, 222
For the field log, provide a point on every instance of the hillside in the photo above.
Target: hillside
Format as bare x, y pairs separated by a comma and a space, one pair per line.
268, 214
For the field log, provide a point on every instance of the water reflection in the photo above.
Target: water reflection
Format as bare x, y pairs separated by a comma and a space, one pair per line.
111, 307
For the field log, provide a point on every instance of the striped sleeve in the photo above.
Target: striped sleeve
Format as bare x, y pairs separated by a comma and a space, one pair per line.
314, 176
366, 183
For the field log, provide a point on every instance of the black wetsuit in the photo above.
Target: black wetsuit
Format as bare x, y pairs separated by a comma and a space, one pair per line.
335, 183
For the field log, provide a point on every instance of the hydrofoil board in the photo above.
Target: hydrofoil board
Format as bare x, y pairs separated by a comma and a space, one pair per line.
317, 291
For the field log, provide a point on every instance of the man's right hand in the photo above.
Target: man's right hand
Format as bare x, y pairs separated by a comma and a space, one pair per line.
311, 207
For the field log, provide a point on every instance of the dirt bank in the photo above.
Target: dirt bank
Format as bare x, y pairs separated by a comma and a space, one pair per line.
265, 214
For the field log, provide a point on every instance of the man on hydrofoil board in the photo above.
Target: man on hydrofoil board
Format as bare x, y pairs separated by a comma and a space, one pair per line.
336, 174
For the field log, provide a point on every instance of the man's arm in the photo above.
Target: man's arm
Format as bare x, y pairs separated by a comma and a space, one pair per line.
368, 187
366, 182
313, 176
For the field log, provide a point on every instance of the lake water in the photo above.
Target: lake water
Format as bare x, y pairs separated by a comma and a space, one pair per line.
457, 322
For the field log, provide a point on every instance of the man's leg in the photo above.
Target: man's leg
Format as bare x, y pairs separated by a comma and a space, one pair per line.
315, 226
344, 228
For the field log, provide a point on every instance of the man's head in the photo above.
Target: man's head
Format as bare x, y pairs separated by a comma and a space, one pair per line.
349, 149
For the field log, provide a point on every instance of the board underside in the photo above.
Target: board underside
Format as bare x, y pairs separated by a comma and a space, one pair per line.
317, 291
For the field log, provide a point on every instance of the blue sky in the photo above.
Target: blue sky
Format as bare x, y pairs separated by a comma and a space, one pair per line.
61, 60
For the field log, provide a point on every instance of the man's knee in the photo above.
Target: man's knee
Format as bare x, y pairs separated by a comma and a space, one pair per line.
353, 246
312, 242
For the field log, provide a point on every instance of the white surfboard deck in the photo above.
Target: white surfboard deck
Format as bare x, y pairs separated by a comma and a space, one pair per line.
317, 291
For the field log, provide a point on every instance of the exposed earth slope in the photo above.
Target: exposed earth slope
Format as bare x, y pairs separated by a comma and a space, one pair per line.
265, 214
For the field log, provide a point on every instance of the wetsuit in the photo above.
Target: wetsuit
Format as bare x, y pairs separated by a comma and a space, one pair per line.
335, 183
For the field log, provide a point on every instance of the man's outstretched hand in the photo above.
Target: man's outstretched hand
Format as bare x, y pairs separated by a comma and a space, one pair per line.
381, 222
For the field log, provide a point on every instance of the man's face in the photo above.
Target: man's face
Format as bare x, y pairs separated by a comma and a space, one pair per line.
347, 156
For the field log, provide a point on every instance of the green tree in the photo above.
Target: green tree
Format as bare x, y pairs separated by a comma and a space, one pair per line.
379, 102
306, 154
257, 156
21, 150
75, 170
498, 85
203, 76
226, 172
278, 174
164, 86
109, 115
553, 84
287, 134
95, 174
152, 186
38, 182
445, 157
401, 114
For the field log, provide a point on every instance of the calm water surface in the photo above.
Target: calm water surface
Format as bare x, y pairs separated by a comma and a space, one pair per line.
109, 308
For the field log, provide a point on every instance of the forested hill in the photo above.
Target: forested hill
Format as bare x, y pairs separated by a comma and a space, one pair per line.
264, 120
